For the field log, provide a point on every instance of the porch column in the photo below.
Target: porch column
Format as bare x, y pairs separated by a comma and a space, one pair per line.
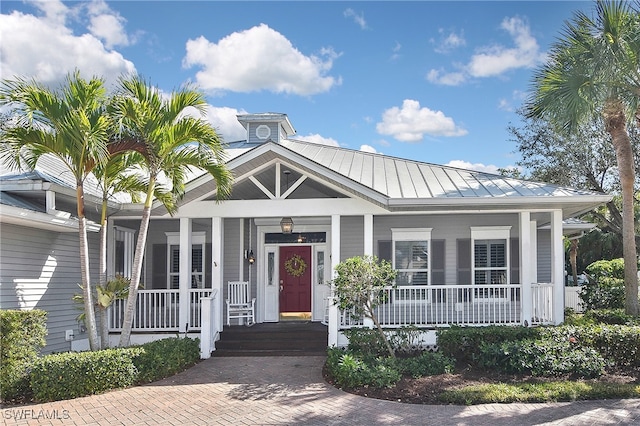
335, 259
185, 274
525, 267
368, 235
368, 250
557, 266
217, 241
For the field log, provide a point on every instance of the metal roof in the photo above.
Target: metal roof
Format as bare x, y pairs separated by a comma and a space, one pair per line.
398, 178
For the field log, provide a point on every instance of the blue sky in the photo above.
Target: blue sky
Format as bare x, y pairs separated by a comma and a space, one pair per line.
430, 81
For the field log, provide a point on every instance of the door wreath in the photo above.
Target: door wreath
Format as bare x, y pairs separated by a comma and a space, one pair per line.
295, 266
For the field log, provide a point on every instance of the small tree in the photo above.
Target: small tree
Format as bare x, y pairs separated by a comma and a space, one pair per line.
359, 288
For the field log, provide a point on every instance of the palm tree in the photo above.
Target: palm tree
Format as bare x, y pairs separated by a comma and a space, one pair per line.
595, 65
115, 176
171, 143
69, 124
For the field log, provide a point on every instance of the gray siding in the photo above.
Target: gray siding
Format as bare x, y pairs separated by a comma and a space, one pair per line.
253, 139
231, 260
42, 269
351, 237
544, 256
448, 228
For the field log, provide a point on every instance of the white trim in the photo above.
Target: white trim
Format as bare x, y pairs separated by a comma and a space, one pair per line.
491, 233
261, 128
267, 302
412, 234
173, 239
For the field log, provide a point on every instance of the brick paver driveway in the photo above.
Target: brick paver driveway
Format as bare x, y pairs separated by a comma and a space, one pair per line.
291, 391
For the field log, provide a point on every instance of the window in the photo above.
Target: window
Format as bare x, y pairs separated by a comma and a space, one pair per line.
123, 256
197, 260
411, 256
490, 248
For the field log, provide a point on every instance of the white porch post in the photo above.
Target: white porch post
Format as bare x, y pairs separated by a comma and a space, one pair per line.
557, 266
368, 250
368, 235
185, 273
525, 267
217, 242
335, 259
534, 251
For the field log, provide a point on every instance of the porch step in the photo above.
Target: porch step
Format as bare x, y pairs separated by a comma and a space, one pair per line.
290, 338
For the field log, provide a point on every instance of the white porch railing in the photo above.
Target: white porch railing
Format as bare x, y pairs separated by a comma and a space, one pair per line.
542, 303
441, 305
572, 298
209, 325
159, 310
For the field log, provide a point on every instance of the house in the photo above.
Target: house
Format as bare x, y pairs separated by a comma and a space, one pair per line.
469, 247
39, 266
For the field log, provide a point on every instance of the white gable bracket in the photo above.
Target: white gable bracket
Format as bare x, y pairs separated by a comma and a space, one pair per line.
262, 187
294, 186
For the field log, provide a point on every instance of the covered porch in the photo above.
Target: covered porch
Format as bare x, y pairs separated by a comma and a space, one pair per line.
201, 255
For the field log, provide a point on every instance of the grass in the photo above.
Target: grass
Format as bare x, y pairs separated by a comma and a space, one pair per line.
539, 392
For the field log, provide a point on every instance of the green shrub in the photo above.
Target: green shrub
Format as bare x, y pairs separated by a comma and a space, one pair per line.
605, 287
368, 343
166, 357
544, 358
425, 364
74, 374
609, 316
463, 343
22, 336
350, 370
365, 342
619, 344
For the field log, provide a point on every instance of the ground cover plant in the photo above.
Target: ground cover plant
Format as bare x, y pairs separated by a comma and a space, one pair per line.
584, 359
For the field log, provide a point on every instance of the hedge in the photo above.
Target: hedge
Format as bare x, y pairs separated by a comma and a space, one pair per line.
22, 336
73, 374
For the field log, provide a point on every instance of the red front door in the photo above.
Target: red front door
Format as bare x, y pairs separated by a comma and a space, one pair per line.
295, 279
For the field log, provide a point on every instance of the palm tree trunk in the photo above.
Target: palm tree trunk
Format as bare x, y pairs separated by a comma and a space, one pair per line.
573, 257
616, 126
87, 291
136, 273
104, 326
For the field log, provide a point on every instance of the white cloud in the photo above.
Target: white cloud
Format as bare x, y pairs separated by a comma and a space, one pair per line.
411, 122
316, 138
446, 78
508, 104
495, 60
107, 25
368, 148
45, 49
478, 167
55, 12
224, 120
226, 123
357, 18
396, 51
448, 42
505, 105
244, 62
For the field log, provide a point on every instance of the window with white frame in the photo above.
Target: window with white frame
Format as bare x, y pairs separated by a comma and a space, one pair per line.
411, 247
490, 254
197, 260
123, 253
